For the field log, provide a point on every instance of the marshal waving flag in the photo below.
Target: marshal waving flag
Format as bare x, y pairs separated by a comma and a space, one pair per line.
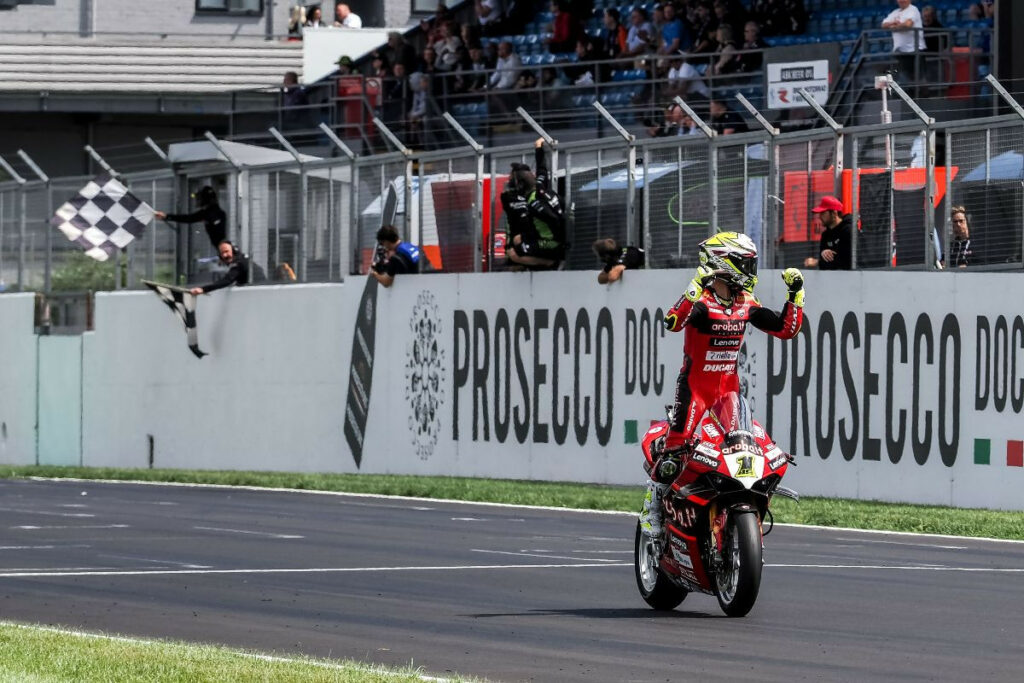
103, 217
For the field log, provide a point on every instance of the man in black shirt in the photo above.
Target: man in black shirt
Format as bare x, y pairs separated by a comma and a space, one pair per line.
238, 269
961, 251
393, 257
725, 121
835, 247
616, 259
213, 217
536, 222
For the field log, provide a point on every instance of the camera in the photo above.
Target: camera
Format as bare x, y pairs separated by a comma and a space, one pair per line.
380, 255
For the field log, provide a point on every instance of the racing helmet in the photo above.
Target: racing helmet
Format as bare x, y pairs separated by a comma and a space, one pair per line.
733, 257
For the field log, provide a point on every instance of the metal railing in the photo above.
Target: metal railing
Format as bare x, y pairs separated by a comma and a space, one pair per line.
319, 216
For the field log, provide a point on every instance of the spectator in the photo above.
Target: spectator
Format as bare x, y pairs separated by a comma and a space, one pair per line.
566, 29
640, 35
616, 260
447, 48
400, 52
419, 85
527, 80
751, 62
685, 81
296, 22
344, 17
506, 71
675, 36
394, 94
393, 257
346, 66
724, 120
961, 251
727, 13
294, 102
933, 40
780, 17
379, 67
209, 212
535, 217
315, 19
705, 26
470, 34
431, 28
613, 35
584, 71
671, 124
835, 247
727, 61
237, 273
905, 24
488, 13
477, 80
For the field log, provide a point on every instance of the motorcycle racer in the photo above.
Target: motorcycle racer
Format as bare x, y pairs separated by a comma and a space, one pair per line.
714, 312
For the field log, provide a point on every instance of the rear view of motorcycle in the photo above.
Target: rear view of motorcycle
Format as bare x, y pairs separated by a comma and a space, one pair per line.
714, 514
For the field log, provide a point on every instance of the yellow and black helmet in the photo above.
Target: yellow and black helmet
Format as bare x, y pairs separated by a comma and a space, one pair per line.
733, 258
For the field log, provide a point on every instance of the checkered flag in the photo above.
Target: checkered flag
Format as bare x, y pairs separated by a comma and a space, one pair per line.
182, 302
103, 217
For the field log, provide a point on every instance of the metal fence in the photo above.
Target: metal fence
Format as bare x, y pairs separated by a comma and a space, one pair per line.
318, 217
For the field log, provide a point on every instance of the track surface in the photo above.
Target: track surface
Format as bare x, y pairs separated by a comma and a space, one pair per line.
504, 593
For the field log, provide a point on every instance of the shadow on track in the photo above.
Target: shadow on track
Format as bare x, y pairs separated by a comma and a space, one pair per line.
603, 613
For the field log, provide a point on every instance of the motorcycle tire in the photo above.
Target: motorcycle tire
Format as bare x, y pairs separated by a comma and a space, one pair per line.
656, 589
739, 578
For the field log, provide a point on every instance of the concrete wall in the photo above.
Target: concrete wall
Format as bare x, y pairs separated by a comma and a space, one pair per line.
18, 351
901, 386
126, 16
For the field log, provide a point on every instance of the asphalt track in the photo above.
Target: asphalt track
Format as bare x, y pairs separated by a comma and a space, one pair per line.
504, 593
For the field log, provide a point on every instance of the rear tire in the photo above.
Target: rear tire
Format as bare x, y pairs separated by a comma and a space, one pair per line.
656, 589
739, 578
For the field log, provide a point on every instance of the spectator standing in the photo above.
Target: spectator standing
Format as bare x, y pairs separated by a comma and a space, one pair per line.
419, 85
566, 29
640, 35
447, 48
905, 24
535, 217
237, 273
613, 35
675, 35
488, 14
933, 40
294, 102
961, 251
398, 51
394, 94
344, 17
616, 259
705, 25
209, 212
835, 247
393, 257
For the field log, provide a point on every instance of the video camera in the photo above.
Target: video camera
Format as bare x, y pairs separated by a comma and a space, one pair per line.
380, 256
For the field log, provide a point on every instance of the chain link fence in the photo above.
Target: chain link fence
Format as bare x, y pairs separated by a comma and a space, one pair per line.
316, 220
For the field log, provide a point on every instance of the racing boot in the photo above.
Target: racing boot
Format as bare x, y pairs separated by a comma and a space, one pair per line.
650, 515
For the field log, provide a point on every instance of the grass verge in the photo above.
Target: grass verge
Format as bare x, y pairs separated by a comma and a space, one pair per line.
43, 655
856, 514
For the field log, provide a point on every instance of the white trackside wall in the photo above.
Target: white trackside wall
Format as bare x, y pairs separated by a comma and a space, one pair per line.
900, 386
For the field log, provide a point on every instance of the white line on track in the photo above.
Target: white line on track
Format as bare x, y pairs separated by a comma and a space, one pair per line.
33, 527
915, 545
42, 547
419, 499
248, 655
162, 563
243, 531
523, 553
933, 568
23, 511
303, 570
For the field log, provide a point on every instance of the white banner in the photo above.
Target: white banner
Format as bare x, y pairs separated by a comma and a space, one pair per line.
786, 78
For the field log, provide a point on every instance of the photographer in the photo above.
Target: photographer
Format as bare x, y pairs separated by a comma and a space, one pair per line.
393, 257
536, 223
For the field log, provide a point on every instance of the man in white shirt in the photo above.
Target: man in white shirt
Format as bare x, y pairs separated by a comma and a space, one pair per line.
506, 71
905, 24
344, 17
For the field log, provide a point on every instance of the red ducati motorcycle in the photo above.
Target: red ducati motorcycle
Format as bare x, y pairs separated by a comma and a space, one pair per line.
714, 513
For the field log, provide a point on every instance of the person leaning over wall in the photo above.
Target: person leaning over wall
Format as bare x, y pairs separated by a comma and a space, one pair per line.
616, 259
393, 256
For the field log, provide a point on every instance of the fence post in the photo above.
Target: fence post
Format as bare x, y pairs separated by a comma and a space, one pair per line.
773, 167
47, 269
304, 208
478, 199
20, 208
632, 226
407, 193
552, 142
114, 174
711, 134
151, 261
237, 199
344, 241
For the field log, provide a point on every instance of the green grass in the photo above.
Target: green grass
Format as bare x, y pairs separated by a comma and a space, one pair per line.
40, 655
820, 511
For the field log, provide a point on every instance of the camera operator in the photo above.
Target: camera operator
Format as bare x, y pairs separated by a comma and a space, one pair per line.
393, 256
536, 222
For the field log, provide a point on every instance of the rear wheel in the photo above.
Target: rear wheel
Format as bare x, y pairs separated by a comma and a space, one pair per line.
739, 576
657, 590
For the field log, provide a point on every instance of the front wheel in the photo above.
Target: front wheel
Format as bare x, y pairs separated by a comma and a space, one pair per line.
739, 576
657, 590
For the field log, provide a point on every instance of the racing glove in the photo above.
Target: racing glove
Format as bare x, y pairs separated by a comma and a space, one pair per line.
794, 280
701, 279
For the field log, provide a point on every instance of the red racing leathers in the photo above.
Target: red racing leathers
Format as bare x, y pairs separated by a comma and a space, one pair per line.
713, 335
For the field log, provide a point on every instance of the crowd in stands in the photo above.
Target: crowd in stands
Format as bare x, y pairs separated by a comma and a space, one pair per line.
492, 56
